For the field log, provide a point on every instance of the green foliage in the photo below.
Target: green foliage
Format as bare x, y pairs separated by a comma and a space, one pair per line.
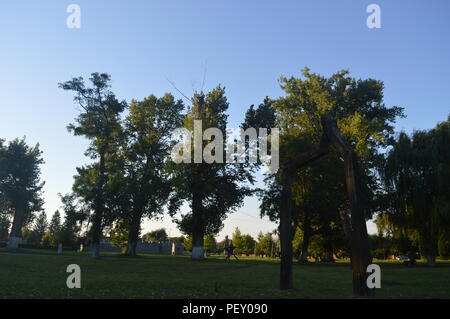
212, 190
55, 227
416, 177
20, 184
188, 243
319, 190
38, 229
144, 181
245, 244
46, 240
66, 237
265, 245
119, 234
156, 236
5, 223
210, 244
99, 122
444, 244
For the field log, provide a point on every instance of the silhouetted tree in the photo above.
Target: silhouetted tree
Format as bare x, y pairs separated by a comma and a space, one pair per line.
20, 185
99, 122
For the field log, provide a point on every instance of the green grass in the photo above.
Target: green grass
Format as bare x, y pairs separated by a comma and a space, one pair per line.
25, 275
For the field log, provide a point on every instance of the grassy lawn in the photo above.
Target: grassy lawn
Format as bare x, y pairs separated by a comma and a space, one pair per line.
28, 276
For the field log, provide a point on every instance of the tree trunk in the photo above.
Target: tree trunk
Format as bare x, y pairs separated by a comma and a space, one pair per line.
328, 255
133, 234
429, 245
99, 207
198, 252
15, 236
286, 276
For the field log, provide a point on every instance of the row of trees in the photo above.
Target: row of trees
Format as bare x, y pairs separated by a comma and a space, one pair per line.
131, 176
367, 172
265, 244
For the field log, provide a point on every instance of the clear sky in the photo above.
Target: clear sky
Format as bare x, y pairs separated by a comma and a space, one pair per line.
245, 45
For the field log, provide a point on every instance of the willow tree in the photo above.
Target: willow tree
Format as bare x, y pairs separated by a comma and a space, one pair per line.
213, 188
417, 180
100, 123
348, 118
20, 184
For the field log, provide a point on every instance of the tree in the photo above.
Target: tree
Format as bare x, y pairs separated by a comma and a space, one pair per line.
98, 122
54, 228
265, 245
76, 214
187, 243
5, 223
146, 184
119, 234
244, 243
416, 177
39, 228
210, 244
156, 236
311, 117
20, 185
46, 240
214, 189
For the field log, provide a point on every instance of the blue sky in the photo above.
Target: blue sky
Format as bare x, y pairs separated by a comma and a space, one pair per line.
245, 45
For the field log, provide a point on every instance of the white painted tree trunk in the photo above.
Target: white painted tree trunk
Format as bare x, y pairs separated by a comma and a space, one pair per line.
198, 252
13, 242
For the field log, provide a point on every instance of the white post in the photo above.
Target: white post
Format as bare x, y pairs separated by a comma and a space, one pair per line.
60, 249
198, 252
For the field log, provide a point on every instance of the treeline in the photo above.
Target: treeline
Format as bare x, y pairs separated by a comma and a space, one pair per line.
405, 179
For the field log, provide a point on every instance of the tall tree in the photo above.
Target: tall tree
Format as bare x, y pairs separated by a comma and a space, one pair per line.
311, 118
54, 227
39, 229
416, 176
20, 184
100, 123
213, 189
146, 184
